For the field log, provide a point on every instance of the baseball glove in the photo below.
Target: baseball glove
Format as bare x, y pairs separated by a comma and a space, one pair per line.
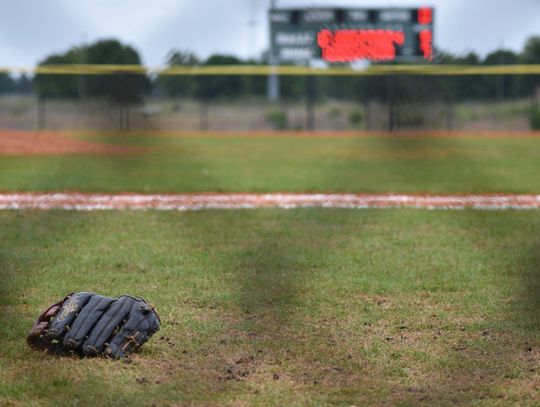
88, 324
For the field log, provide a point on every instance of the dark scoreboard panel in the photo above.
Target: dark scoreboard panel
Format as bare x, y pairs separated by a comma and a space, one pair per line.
351, 34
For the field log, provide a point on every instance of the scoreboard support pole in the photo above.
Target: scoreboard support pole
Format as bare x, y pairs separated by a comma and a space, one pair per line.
273, 88
299, 36
273, 83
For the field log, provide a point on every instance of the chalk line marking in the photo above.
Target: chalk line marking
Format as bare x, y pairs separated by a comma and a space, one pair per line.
187, 202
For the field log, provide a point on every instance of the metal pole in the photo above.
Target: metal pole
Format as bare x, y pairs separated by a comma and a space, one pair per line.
367, 115
273, 83
252, 24
203, 113
273, 79
451, 102
500, 78
310, 102
127, 117
121, 118
449, 115
42, 114
390, 101
82, 78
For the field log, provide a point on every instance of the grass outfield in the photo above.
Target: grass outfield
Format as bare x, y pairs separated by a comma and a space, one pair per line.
274, 164
277, 307
284, 307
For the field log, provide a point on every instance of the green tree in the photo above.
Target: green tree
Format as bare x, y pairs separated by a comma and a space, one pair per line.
7, 84
58, 86
501, 86
120, 88
529, 84
213, 87
254, 85
24, 84
468, 87
531, 51
177, 86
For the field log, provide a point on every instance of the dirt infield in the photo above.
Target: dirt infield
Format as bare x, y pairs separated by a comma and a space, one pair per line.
184, 202
14, 142
322, 133
17, 142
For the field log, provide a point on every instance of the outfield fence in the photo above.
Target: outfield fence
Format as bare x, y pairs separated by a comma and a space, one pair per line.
265, 70
234, 98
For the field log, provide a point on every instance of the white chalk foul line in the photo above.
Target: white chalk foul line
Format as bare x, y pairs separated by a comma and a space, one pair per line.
185, 202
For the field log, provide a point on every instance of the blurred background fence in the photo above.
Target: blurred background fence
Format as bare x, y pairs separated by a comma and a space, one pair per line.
500, 92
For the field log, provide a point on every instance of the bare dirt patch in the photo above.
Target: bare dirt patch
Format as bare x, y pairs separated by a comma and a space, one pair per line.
14, 142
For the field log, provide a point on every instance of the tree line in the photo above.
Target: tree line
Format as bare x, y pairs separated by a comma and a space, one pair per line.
133, 88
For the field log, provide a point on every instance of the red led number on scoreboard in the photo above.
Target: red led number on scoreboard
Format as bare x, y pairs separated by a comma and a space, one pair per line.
426, 44
425, 15
350, 45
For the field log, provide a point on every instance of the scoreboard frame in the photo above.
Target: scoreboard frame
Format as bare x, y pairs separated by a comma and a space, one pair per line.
396, 34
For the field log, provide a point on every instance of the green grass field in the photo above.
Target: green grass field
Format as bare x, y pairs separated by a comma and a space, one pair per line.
265, 164
284, 307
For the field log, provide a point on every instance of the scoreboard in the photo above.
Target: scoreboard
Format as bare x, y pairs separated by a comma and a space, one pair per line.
351, 34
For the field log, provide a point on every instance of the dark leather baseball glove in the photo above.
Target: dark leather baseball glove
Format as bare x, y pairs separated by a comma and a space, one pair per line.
89, 324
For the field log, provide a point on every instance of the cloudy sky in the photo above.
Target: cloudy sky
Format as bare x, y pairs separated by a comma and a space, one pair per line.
32, 29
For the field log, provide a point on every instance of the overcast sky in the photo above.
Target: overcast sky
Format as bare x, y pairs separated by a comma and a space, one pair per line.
32, 29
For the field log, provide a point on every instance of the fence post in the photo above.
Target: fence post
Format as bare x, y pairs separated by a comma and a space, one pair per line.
367, 115
42, 114
121, 117
310, 102
203, 114
127, 118
390, 100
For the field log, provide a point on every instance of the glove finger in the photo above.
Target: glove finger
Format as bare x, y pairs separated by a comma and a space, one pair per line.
86, 320
107, 324
132, 342
133, 339
141, 324
67, 314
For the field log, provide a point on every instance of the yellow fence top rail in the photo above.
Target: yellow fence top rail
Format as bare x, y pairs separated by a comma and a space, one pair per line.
223, 70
